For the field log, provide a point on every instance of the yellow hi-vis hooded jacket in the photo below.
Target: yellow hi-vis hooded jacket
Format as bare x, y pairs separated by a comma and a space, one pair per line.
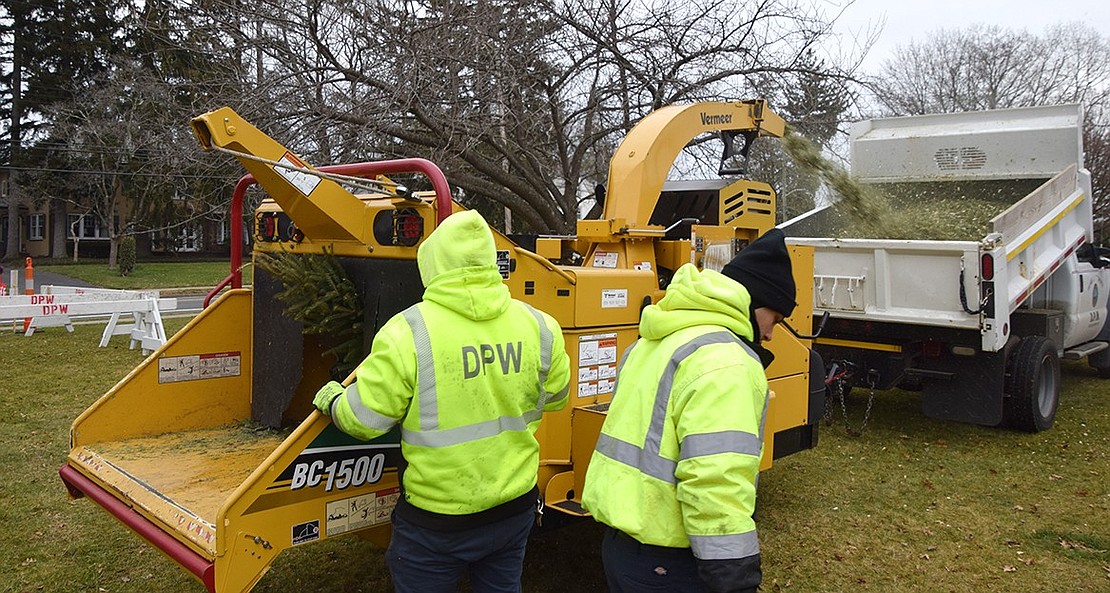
468, 373
678, 456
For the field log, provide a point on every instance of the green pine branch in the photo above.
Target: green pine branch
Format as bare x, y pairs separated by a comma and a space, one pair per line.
317, 292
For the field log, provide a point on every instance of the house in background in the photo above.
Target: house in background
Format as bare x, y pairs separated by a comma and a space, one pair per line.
92, 237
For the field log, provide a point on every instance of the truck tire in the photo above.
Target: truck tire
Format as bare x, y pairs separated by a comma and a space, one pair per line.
1032, 385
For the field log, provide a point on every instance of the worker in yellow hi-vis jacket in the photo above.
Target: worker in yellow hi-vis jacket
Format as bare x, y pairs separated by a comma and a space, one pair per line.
674, 472
468, 373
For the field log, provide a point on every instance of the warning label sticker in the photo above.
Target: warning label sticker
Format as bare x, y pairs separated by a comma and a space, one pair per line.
303, 182
605, 259
587, 374
358, 512
503, 262
607, 371
172, 369
597, 364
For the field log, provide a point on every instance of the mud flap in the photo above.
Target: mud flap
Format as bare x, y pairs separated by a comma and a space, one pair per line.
974, 392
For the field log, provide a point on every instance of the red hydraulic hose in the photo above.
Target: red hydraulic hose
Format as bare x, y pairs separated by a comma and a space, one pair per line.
370, 169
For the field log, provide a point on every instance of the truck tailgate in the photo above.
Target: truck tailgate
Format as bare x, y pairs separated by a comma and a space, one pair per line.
1042, 230
900, 281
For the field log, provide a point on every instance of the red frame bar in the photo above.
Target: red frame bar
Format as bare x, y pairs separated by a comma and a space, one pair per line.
80, 485
369, 169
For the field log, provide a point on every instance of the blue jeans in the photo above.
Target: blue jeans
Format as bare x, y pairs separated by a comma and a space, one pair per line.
426, 561
632, 567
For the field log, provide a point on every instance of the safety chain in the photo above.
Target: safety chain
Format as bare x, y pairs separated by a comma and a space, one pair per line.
839, 382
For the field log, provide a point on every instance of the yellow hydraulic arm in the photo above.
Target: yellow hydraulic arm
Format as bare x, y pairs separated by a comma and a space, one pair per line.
323, 209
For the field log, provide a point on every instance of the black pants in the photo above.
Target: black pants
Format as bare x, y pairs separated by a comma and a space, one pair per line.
426, 561
632, 567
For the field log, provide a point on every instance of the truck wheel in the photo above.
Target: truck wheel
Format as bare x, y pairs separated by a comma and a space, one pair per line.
1033, 385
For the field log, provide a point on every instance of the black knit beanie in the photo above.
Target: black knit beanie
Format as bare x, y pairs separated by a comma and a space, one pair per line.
763, 267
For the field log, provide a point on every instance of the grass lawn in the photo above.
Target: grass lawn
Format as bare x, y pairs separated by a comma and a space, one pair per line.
149, 275
911, 505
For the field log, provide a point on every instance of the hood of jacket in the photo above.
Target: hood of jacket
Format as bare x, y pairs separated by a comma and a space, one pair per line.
699, 298
458, 267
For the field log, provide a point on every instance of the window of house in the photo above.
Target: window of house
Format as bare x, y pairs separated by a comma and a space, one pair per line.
222, 232
188, 239
86, 226
36, 227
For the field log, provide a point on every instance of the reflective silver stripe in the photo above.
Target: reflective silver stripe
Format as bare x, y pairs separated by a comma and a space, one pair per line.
558, 396
647, 458
663, 393
631, 455
365, 416
763, 420
471, 432
726, 441
546, 341
724, 547
425, 369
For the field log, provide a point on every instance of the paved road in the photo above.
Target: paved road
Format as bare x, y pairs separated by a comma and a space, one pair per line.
44, 277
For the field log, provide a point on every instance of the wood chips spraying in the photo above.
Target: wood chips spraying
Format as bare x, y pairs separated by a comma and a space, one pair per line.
927, 210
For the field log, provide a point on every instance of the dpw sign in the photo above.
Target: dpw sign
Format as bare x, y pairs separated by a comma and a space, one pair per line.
475, 359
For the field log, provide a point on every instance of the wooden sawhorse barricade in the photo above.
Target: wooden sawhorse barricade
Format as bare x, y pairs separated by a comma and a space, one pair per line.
55, 306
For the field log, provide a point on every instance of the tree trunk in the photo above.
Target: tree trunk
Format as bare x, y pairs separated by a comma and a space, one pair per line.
113, 232
58, 225
11, 252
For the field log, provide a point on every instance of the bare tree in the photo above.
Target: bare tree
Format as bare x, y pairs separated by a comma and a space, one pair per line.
520, 102
990, 67
1096, 145
115, 144
131, 160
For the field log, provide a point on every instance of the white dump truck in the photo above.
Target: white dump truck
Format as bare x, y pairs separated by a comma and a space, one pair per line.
979, 325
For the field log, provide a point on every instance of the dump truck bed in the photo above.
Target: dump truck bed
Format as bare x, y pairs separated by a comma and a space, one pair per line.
972, 284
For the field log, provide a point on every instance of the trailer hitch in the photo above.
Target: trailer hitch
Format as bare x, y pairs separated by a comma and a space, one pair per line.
839, 380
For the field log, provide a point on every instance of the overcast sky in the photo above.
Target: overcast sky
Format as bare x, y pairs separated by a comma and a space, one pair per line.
907, 20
